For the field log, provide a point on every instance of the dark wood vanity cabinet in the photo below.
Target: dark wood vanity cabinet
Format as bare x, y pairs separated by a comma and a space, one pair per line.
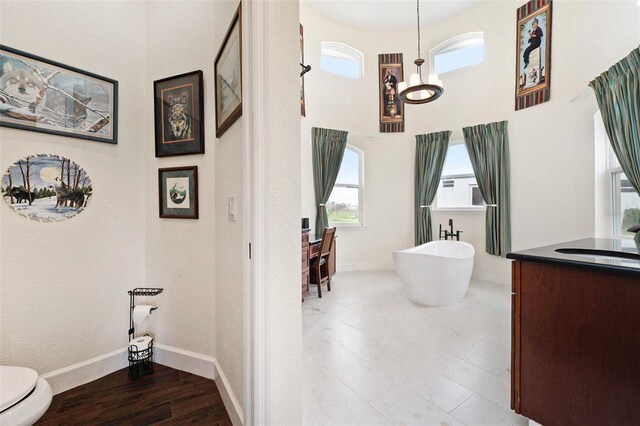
575, 354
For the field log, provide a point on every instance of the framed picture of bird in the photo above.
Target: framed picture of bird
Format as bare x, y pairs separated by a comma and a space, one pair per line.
178, 192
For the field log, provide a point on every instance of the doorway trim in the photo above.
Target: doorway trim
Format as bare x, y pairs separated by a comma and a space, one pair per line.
256, 210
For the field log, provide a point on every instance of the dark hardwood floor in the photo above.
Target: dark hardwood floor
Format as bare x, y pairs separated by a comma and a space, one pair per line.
166, 397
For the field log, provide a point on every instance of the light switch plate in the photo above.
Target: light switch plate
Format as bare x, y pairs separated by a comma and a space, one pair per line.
231, 207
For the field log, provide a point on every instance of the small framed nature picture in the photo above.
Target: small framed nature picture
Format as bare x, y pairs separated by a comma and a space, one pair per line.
178, 192
178, 115
228, 76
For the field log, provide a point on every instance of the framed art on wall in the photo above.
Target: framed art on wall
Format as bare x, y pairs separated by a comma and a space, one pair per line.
533, 57
390, 73
178, 192
228, 77
42, 95
46, 188
303, 111
178, 115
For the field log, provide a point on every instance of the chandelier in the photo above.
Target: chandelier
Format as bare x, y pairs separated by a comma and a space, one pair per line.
417, 91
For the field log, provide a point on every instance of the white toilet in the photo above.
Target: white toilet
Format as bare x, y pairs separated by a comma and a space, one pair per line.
24, 397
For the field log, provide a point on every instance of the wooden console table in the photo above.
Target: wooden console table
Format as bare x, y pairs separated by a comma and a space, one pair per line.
310, 249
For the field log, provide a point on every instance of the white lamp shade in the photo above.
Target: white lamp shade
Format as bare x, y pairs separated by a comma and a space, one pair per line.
402, 86
433, 78
414, 80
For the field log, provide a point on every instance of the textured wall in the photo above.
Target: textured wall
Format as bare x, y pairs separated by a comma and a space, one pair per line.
284, 130
181, 252
229, 239
63, 285
552, 145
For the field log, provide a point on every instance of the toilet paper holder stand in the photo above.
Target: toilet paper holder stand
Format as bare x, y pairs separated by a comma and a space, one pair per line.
132, 303
140, 359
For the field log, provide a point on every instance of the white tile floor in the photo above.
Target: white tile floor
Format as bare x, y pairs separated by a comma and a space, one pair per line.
372, 357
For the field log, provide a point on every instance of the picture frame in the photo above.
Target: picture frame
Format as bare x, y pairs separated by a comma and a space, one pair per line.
179, 114
178, 192
46, 187
42, 95
533, 53
228, 76
390, 73
303, 111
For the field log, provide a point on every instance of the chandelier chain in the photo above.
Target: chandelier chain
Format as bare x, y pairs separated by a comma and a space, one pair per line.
418, 13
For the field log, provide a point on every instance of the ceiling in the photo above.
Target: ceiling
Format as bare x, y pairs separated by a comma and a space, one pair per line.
385, 15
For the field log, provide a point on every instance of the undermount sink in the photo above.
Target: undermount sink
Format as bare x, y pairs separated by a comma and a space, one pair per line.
599, 253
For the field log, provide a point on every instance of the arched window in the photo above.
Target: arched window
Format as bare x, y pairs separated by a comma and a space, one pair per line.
458, 189
341, 59
346, 203
458, 52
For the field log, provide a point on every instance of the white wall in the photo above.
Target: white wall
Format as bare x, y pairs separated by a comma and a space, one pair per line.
180, 255
552, 145
284, 134
64, 285
229, 242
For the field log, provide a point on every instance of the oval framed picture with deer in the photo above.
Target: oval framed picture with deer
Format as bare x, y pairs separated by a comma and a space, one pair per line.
46, 188
46, 96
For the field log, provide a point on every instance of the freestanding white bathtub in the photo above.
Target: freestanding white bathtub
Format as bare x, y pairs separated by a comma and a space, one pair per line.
435, 273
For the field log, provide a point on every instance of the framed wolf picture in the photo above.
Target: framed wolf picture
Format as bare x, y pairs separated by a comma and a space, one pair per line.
533, 59
46, 188
178, 115
390, 73
41, 95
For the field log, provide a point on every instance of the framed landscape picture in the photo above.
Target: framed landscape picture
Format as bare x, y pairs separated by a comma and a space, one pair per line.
303, 111
533, 57
178, 192
42, 95
390, 73
228, 76
178, 115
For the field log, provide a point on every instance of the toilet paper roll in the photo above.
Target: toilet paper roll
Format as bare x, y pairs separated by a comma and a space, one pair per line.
141, 312
141, 343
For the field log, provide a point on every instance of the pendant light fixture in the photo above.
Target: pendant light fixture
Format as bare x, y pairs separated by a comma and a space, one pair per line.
417, 91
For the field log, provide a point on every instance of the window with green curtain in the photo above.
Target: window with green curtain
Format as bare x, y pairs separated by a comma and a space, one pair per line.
488, 146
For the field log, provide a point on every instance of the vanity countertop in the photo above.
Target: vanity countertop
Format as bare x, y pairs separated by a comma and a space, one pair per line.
622, 246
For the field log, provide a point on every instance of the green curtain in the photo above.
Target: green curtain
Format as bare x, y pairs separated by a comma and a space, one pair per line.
488, 146
618, 93
328, 147
431, 151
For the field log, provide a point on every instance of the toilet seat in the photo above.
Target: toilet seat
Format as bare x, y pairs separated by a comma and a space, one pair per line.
24, 397
15, 384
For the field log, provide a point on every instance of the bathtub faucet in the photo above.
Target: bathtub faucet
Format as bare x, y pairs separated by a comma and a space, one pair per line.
450, 234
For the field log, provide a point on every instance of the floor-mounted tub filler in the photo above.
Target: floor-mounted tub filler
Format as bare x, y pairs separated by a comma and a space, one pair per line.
435, 273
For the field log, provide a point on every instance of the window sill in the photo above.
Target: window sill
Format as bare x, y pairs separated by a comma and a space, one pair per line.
459, 210
348, 225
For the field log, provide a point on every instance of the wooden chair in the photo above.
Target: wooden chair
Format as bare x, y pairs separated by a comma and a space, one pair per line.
319, 265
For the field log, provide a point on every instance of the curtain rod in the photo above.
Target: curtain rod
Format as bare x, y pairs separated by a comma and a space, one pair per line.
581, 95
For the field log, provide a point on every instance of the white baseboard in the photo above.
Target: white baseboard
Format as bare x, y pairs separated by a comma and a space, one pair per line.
180, 359
345, 267
231, 403
201, 365
86, 371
